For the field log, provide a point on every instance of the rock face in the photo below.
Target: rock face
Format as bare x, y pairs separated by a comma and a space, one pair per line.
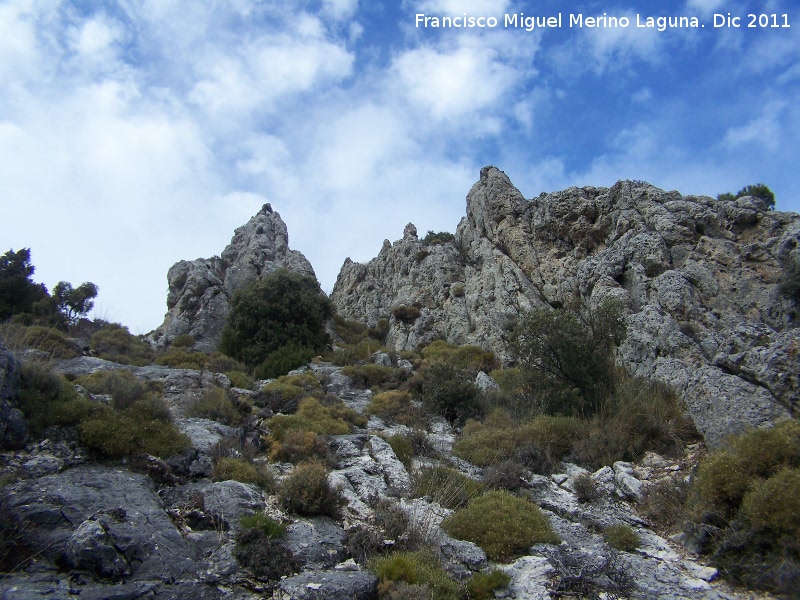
13, 427
700, 278
200, 290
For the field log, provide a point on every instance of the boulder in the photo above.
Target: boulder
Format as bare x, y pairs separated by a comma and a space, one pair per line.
330, 585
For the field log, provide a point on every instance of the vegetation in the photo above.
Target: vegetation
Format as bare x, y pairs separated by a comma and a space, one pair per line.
433, 238
567, 355
284, 310
759, 190
215, 405
472, 358
445, 486
449, 391
395, 406
481, 586
504, 525
115, 343
621, 537
272, 529
308, 492
259, 549
420, 569
747, 494
406, 314
311, 415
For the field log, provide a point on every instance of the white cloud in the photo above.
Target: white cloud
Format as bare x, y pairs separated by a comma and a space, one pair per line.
458, 7
703, 7
765, 130
339, 9
642, 96
449, 84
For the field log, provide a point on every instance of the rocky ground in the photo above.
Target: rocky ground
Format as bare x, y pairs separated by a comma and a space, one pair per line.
164, 529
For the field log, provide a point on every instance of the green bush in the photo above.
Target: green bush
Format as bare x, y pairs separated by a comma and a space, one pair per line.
402, 448
183, 341
420, 568
621, 537
406, 314
115, 343
473, 358
121, 384
446, 486
238, 469
240, 379
284, 394
504, 525
393, 406
759, 190
725, 476
265, 556
353, 353
307, 491
434, 238
141, 428
47, 339
282, 308
774, 504
450, 392
284, 359
481, 586
567, 354
585, 488
271, 528
214, 405
311, 415
296, 446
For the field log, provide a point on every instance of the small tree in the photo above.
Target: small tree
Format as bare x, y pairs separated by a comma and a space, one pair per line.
74, 303
282, 309
18, 292
758, 190
567, 354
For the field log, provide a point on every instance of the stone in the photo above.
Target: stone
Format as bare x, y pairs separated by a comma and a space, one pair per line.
13, 426
484, 382
316, 543
200, 290
628, 484
700, 278
329, 585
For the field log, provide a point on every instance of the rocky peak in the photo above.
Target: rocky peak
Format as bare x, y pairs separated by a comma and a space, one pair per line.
700, 278
200, 290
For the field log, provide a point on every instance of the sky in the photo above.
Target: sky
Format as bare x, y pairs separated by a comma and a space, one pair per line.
137, 133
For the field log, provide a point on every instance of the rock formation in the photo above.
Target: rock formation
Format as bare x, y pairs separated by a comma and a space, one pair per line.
700, 278
200, 290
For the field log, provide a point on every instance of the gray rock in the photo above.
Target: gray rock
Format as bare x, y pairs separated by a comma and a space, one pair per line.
13, 426
330, 585
484, 382
200, 290
628, 484
91, 548
317, 543
700, 279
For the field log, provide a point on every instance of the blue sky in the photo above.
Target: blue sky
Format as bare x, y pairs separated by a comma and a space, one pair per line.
140, 132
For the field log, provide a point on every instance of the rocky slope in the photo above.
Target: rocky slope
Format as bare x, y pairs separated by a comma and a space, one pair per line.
105, 531
200, 290
700, 278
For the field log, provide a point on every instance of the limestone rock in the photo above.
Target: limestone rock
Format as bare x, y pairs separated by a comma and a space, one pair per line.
13, 426
200, 290
700, 278
329, 585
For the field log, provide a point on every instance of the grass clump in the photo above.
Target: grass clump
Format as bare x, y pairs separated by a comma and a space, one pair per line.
284, 394
481, 586
271, 528
371, 375
263, 554
421, 573
504, 525
621, 537
307, 491
393, 406
311, 415
214, 405
296, 446
473, 358
115, 343
446, 486
17, 336
231, 468
121, 384
403, 449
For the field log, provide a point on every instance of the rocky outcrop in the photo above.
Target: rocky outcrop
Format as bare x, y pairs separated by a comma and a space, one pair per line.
13, 426
700, 278
200, 290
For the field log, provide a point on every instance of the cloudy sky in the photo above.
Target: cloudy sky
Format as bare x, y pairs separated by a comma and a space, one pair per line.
137, 133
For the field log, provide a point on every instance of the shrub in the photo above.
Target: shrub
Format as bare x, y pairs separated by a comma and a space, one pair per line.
568, 354
215, 405
115, 343
420, 568
337, 419
774, 504
266, 557
505, 475
394, 406
18, 538
481, 586
352, 354
406, 314
790, 280
664, 505
296, 446
284, 359
473, 358
759, 190
504, 525
40, 391
434, 238
240, 379
307, 491
47, 339
450, 392
183, 341
239, 469
271, 528
446, 486
282, 308
457, 290
121, 384
724, 477
621, 537
585, 488
402, 448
